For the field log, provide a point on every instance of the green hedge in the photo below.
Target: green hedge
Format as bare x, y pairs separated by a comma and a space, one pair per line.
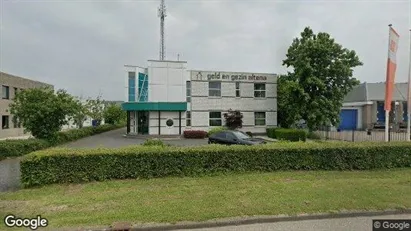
216, 130
290, 134
15, 148
271, 132
81, 165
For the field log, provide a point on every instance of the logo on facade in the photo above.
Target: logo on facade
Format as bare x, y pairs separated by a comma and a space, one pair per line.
236, 77
199, 75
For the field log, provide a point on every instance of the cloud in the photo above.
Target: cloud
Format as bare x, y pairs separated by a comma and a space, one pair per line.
82, 45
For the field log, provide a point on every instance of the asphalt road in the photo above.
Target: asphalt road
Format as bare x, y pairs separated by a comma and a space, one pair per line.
115, 139
337, 224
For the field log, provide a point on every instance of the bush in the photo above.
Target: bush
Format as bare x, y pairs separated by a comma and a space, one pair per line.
313, 136
153, 142
195, 134
249, 133
216, 130
290, 134
271, 132
14, 148
81, 165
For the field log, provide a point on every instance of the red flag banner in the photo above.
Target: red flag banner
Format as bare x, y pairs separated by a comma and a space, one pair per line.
391, 67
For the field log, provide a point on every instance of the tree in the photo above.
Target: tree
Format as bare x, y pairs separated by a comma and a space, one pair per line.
287, 91
95, 108
322, 74
80, 112
113, 114
233, 119
42, 112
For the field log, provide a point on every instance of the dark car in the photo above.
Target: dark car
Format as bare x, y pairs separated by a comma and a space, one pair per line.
233, 137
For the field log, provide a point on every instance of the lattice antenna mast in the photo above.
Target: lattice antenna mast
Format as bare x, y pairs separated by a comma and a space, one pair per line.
162, 14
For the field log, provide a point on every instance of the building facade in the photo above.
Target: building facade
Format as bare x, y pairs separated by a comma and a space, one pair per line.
165, 98
363, 107
10, 85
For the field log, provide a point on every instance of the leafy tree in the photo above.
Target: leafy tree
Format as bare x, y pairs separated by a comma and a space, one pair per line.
287, 92
113, 114
322, 74
43, 112
233, 119
80, 112
95, 108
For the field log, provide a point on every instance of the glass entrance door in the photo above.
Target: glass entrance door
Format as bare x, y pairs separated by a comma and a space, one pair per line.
142, 117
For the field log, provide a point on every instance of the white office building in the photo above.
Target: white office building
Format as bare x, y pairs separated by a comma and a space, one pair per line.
165, 98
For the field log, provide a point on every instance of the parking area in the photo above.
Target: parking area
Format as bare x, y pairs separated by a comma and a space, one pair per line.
115, 139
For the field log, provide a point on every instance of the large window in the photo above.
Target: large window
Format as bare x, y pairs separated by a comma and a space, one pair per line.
188, 119
259, 90
215, 119
237, 89
214, 89
188, 91
259, 118
131, 86
5, 122
5, 92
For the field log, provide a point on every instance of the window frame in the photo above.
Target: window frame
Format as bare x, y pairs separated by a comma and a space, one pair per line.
215, 119
8, 122
210, 89
188, 91
7, 92
188, 118
260, 119
260, 91
238, 89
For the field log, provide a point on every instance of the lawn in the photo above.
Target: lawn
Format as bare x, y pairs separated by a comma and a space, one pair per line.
197, 199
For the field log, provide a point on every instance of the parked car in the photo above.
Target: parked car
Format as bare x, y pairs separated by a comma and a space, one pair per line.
234, 137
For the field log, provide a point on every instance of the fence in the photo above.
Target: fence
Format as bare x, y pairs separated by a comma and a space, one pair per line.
357, 136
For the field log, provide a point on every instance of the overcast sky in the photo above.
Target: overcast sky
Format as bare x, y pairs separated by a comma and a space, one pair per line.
82, 46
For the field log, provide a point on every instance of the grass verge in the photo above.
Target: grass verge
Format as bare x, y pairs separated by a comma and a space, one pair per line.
176, 199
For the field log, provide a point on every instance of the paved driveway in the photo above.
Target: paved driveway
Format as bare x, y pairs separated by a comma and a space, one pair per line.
115, 139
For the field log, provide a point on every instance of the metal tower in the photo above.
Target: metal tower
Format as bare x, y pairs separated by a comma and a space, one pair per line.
162, 14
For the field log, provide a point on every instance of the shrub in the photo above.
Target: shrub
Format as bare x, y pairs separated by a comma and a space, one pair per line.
153, 142
216, 130
81, 165
249, 133
290, 134
271, 132
194, 134
14, 148
313, 136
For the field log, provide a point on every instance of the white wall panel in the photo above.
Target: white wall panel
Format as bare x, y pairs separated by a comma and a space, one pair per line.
242, 104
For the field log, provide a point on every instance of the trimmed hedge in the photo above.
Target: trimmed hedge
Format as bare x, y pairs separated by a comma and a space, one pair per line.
287, 134
15, 148
271, 132
82, 165
194, 134
216, 130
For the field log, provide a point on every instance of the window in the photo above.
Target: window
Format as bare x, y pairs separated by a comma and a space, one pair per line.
259, 118
188, 91
188, 119
15, 91
5, 92
214, 89
237, 89
169, 122
259, 90
5, 122
215, 119
221, 135
131, 86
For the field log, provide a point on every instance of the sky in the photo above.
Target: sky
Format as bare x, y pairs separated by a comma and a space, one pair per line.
82, 46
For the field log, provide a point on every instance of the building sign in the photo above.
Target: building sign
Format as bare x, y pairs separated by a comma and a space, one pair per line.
230, 76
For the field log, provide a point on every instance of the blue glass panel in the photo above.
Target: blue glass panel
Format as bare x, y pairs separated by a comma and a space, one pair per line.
380, 112
131, 89
405, 110
143, 87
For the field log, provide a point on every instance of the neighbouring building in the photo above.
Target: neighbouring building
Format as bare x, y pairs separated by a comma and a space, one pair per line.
363, 107
10, 84
165, 98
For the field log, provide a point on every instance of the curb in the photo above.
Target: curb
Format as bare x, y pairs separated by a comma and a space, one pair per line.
236, 221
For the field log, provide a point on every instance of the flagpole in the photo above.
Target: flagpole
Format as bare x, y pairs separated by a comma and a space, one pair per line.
409, 96
387, 112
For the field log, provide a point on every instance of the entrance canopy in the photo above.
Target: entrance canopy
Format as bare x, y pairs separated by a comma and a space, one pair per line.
154, 106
